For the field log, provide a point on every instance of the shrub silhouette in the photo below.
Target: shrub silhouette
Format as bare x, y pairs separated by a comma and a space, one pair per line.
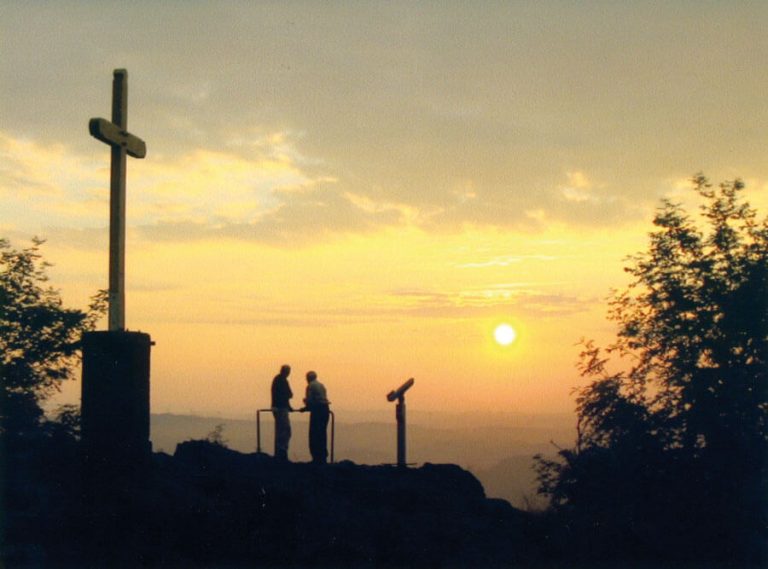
216, 436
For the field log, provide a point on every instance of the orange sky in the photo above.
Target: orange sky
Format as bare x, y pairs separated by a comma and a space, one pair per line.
369, 191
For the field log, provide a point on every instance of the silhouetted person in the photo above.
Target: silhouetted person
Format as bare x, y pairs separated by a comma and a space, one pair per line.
281, 408
316, 402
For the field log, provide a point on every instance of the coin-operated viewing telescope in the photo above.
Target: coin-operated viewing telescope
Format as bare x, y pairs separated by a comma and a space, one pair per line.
399, 394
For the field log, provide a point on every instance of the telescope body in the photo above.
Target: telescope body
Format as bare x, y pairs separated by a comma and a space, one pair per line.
400, 391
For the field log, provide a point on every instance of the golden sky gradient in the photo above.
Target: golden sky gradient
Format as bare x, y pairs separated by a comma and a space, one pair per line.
368, 189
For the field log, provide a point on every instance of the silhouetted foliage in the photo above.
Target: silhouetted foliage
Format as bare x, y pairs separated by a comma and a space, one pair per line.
39, 338
672, 436
216, 436
66, 422
39, 343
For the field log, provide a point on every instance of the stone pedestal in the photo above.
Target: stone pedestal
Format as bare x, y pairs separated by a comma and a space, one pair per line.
115, 400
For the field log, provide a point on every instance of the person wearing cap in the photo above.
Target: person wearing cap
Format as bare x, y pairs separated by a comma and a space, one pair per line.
281, 409
316, 402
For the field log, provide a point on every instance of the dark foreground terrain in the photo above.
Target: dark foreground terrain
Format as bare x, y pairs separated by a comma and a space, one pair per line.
213, 507
209, 506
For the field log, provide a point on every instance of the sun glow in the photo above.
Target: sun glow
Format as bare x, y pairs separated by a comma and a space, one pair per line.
504, 334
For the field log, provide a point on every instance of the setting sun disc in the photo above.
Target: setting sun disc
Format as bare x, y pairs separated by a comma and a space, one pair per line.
504, 334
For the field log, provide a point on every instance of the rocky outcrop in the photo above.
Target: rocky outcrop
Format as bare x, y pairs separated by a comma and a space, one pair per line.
249, 508
209, 506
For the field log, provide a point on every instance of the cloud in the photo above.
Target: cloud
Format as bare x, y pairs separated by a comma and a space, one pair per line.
582, 202
48, 186
579, 188
506, 260
295, 217
207, 185
394, 305
453, 115
30, 167
262, 187
523, 298
84, 239
259, 189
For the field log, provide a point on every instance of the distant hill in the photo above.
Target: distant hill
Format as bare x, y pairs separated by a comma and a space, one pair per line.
499, 454
514, 480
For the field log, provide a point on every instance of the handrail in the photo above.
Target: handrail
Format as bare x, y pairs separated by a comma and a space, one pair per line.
258, 429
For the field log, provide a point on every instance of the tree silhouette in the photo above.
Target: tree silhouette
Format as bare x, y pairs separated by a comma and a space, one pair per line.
673, 427
39, 349
39, 338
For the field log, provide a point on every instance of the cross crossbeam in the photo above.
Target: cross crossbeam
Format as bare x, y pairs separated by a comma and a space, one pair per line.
110, 133
122, 143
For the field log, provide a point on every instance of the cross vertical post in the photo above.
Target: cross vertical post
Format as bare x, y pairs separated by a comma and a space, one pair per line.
117, 205
121, 142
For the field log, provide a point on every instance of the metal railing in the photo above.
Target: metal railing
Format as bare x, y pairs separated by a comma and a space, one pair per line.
258, 429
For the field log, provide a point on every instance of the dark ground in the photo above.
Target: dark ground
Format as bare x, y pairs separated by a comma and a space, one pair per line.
211, 507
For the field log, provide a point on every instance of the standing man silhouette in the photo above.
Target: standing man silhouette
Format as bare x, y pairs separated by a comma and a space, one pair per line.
281, 407
316, 402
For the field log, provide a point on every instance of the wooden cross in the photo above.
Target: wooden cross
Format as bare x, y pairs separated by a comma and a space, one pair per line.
116, 134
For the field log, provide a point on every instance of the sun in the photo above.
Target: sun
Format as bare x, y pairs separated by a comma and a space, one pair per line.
504, 334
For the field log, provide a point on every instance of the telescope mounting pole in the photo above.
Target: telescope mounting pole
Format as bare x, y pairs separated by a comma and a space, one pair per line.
399, 395
400, 415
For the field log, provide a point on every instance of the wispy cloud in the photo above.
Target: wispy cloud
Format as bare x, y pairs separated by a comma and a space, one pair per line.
29, 168
507, 260
526, 298
292, 218
579, 188
259, 191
